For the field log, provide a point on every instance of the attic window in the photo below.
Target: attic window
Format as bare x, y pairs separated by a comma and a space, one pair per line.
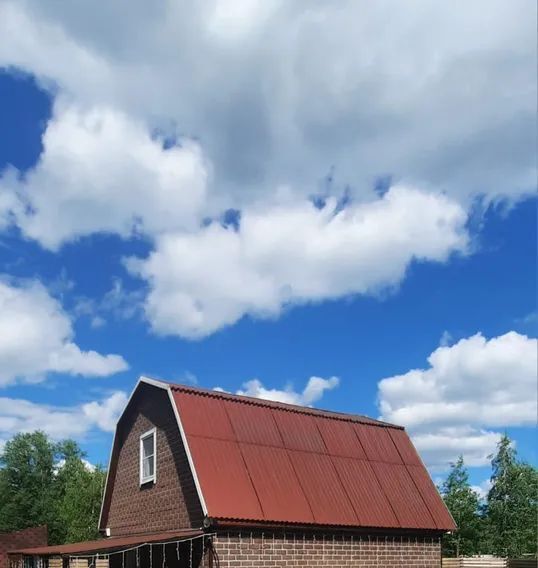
148, 457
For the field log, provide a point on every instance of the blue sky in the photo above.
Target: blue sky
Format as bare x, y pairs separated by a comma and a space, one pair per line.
117, 257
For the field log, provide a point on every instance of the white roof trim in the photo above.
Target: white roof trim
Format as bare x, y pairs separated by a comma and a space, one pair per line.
188, 451
153, 382
99, 527
166, 387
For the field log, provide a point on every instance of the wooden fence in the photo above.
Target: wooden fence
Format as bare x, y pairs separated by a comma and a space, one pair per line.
475, 562
489, 562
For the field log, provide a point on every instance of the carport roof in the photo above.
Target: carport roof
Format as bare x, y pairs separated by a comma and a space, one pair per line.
107, 545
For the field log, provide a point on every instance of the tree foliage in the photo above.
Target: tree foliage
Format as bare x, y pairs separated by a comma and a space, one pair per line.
512, 504
79, 509
27, 477
42, 482
506, 523
463, 503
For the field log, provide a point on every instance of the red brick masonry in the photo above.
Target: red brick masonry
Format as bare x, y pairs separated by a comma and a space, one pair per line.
247, 549
36, 536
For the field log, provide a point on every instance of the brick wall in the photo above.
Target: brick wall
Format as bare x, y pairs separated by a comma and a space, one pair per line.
172, 502
308, 550
35, 536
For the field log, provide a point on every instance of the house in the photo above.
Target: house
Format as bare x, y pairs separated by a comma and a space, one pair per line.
205, 478
34, 536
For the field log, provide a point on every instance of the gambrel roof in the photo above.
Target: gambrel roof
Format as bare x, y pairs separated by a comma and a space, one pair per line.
256, 461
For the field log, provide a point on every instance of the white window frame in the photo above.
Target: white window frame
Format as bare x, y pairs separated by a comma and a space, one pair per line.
151, 478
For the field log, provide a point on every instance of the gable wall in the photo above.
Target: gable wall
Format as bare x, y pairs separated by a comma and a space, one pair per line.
172, 502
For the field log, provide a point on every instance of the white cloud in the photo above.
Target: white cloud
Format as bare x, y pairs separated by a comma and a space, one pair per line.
105, 414
8, 203
105, 173
36, 338
88, 465
118, 302
59, 422
293, 253
469, 388
439, 95
313, 391
442, 446
482, 489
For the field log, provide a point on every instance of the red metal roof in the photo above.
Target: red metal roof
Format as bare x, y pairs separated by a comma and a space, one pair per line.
367, 497
276, 482
226, 482
262, 461
108, 544
403, 496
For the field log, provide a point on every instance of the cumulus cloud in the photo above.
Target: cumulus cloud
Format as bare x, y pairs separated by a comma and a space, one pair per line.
105, 173
105, 414
292, 254
36, 338
261, 100
469, 389
59, 422
441, 96
313, 391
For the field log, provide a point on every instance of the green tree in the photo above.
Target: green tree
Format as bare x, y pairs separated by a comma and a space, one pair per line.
27, 479
80, 505
512, 505
42, 482
77, 494
463, 503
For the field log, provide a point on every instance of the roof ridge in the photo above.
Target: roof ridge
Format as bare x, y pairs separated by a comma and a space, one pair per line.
244, 399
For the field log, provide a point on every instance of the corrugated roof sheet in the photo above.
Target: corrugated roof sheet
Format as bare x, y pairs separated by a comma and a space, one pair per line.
340, 438
253, 424
377, 444
225, 480
403, 496
405, 447
370, 502
299, 432
324, 491
262, 461
276, 482
430, 496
